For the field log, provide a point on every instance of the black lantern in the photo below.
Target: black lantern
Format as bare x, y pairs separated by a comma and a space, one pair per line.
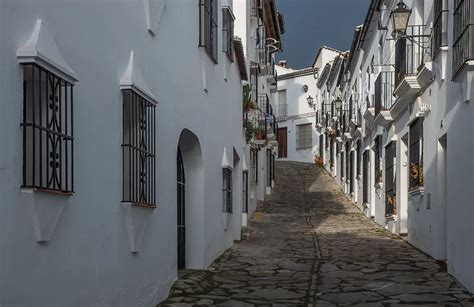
310, 101
400, 17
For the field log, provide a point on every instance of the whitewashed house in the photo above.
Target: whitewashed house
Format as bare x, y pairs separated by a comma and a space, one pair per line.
260, 26
122, 157
400, 124
296, 113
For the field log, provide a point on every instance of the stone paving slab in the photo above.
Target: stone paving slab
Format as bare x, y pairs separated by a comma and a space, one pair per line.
309, 246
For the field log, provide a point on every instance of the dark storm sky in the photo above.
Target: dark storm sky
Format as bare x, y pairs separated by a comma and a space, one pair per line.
314, 23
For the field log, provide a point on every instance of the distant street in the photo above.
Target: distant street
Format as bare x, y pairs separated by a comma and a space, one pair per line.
308, 245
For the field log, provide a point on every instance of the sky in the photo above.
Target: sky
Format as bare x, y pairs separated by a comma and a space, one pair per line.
311, 24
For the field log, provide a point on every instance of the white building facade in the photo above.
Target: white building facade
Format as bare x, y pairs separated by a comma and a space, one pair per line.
296, 114
123, 157
394, 122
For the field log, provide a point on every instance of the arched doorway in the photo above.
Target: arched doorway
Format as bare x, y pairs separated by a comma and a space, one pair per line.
190, 202
181, 202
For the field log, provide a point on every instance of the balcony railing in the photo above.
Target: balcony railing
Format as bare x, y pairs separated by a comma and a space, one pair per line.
384, 86
463, 46
410, 53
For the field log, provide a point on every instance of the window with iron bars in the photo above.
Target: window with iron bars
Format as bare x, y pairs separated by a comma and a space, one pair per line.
439, 36
304, 136
228, 33
256, 8
416, 154
48, 142
138, 150
208, 27
365, 176
227, 189
262, 50
378, 160
269, 167
254, 165
245, 191
463, 46
254, 82
358, 157
390, 181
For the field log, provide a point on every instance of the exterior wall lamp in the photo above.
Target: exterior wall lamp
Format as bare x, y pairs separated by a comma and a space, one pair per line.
400, 17
310, 101
338, 103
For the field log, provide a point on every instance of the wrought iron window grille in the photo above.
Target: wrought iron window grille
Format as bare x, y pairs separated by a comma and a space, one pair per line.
228, 33
138, 150
208, 27
227, 189
48, 141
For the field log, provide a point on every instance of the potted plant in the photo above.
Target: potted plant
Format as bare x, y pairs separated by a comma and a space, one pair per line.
318, 160
260, 134
247, 102
249, 131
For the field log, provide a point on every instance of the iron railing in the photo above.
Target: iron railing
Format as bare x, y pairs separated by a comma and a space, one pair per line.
48, 142
208, 27
384, 86
138, 150
463, 46
411, 51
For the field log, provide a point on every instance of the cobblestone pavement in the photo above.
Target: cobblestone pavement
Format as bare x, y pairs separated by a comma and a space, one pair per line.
308, 245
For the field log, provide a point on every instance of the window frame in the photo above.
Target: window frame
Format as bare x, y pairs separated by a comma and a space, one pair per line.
138, 149
463, 41
306, 141
415, 150
254, 165
378, 172
208, 26
228, 33
390, 178
245, 191
45, 130
227, 185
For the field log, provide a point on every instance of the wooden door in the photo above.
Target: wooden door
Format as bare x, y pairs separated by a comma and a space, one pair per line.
282, 142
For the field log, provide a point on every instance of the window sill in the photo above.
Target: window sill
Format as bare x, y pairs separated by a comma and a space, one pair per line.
391, 217
467, 66
49, 191
417, 191
142, 205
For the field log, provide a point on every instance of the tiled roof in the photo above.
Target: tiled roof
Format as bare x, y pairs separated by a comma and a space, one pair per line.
240, 55
298, 73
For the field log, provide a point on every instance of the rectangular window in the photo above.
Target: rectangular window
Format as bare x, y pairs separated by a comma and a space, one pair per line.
358, 157
254, 82
138, 150
304, 136
282, 106
227, 189
439, 38
321, 145
228, 33
365, 177
416, 154
390, 179
269, 168
208, 27
378, 160
245, 191
254, 165
463, 46
351, 172
47, 131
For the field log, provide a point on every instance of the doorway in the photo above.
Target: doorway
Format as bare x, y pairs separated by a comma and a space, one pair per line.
181, 202
282, 142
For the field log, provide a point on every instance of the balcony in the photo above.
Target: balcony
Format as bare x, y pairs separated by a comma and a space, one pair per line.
413, 70
384, 99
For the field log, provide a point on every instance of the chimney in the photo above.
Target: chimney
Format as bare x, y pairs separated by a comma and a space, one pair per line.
283, 63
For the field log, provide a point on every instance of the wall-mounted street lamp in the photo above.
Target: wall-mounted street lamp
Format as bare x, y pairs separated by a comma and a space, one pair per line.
400, 17
310, 101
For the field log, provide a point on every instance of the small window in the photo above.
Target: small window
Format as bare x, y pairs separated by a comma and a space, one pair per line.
138, 150
208, 27
282, 106
245, 191
438, 39
228, 33
366, 177
390, 180
304, 136
254, 165
378, 160
269, 167
416, 154
47, 131
227, 189
463, 44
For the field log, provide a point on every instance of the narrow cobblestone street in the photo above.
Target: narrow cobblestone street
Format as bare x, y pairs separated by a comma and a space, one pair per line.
308, 245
